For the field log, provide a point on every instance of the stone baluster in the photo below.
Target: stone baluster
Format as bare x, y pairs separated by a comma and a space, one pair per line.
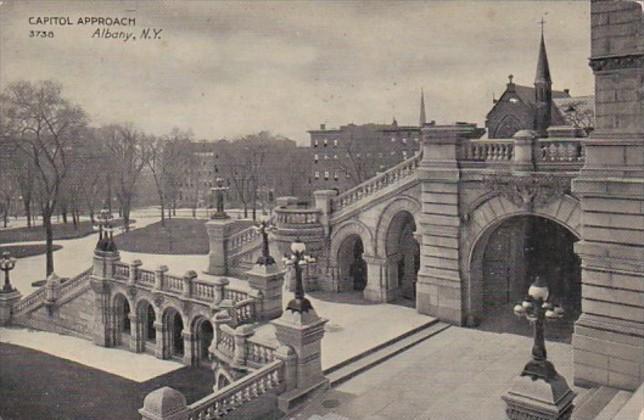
241, 349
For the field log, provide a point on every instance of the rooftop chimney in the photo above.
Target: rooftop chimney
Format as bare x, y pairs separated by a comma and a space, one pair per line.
323, 126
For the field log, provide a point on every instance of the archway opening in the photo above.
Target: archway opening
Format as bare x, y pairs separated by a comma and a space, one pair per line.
505, 263
403, 257
204, 334
122, 328
174, 333
351, 264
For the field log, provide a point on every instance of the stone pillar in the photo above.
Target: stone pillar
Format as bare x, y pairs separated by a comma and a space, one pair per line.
438, 289
528, 398
609, 334
188, 278
190, 354
137, 343
134, 267
302, 332
102, 274
160, 350
52, 290
219, 291
165, 404
323, 202
524, 144
241, 335
269, 280
158, 276
103, 267
219, 230
7, 301
381, 279
288, 356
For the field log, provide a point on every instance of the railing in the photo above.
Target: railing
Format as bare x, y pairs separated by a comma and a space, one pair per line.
403, 170
122, 270
245, 311
73, 283
235, 295
295, 216
146, 277
488, 150
203, 291
226, 341
239, 239
234, 395
552, 150
173, 283
259, 353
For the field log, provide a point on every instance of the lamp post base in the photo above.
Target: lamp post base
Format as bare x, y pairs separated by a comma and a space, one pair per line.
539, 399
299, 305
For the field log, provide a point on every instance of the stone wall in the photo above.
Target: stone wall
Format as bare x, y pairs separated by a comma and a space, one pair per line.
74, 316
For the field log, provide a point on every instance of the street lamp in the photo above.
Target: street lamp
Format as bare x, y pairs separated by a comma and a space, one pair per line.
105, 231
7, 263
218, 192
536, 309
298, 259
264, 227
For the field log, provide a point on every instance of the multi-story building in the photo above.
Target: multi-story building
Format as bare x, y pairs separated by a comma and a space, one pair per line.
343, 157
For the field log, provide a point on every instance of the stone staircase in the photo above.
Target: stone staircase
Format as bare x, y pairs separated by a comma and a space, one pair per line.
606, 403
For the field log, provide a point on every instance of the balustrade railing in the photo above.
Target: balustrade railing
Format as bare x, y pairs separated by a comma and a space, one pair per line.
235, 295
552, 150
73, 283
203, 291
239, 239
173, 283
231, 397
489, 150
226, 341
145, 277
37, 297
401, 171
122, 270
259, 353
245, 311
295, 216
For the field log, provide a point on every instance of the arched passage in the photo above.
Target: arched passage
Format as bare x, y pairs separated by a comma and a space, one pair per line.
121, 313
173, 330
352, 268
504, 262
202, 332
146, 318
402, 252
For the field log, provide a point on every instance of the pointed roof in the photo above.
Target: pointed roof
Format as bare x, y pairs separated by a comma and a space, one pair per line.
423, 116
543, 69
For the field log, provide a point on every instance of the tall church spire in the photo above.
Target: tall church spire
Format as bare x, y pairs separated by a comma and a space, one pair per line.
423, 116
543, 90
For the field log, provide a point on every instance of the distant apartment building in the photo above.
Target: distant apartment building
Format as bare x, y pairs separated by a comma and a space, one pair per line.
344, 157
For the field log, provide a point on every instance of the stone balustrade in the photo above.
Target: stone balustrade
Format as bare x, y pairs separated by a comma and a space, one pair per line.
30, 301
237, 240
296, 216
488, 150
231, 397
38, 297
391, 176
557, 150
259, 353
226, 341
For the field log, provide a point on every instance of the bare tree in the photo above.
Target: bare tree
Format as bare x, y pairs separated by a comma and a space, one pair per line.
350, 160
127, 150
580, 114
46, 128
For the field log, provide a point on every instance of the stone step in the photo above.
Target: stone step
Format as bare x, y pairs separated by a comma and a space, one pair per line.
614, 405
594, 404
349, 368
634, 407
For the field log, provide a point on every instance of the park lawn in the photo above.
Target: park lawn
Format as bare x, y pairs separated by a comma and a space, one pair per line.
60, 230
178, 236
36, 385
23, 251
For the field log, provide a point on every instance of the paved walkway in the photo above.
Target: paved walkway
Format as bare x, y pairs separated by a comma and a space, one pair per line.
459, 374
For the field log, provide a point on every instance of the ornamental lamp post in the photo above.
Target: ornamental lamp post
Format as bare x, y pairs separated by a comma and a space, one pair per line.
7, 263
218, 192
105, 231
298, 259
264, 227
539, 391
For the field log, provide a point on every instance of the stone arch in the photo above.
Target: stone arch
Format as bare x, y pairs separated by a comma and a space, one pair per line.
345, 230
507, 127
121, 314
174, 327
565, 211
146, 317
400, 204
202, 333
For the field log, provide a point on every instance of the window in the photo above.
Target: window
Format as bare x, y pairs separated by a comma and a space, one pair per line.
316, 158
335, 157
404, 140
335, 175
393, 153
315, 143
335, 142
357, 154
326, 175
393, 139
404, 153
326, 157
416, 139
317, 174
325, 142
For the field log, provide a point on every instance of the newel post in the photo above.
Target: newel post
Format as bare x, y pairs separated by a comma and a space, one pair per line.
188, 278
524, 145
134, 268
241, 351
165, 404
158, 276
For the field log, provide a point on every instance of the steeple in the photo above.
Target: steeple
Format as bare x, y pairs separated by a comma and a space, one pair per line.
423, 116
542, 89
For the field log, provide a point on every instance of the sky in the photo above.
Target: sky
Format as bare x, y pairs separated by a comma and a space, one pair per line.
225, 69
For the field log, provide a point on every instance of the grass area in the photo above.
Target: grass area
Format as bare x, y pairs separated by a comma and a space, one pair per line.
61, 231
22, 251
36, 385
178, 236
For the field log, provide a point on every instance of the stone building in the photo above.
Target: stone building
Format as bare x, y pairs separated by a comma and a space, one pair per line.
346, 156
537, 107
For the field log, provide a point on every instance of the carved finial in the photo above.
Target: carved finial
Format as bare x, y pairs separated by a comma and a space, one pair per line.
542, 22
510, 77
